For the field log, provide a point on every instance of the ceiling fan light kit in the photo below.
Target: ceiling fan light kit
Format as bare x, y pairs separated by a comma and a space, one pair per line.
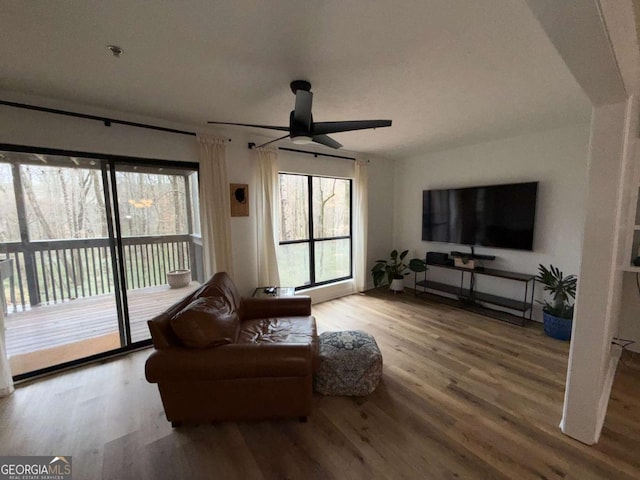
302, 140
303, 130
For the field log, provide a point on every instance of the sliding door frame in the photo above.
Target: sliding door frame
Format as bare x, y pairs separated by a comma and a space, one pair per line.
108, 171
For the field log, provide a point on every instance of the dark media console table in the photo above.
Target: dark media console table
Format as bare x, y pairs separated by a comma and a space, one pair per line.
471, 299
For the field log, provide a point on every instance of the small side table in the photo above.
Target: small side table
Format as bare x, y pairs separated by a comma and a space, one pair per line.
274, 292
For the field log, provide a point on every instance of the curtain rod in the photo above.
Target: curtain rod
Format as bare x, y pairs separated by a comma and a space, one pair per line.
315, 154
106, 120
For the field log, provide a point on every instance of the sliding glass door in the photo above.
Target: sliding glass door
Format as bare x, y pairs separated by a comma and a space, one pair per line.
86, 246
155, 208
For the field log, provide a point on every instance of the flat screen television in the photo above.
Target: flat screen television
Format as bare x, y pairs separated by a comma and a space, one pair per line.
500, 216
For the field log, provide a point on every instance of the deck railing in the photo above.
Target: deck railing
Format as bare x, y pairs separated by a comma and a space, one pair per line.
49, 272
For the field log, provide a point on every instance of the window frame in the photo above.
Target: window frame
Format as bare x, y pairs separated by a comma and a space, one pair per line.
312, 241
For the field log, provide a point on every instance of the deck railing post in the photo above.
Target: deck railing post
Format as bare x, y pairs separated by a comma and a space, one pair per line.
31, 272
195, 257
29, 254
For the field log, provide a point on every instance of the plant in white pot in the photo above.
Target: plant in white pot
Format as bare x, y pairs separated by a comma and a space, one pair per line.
557, 314
394, 270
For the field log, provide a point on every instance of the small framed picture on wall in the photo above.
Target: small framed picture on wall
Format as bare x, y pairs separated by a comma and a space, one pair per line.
239, 199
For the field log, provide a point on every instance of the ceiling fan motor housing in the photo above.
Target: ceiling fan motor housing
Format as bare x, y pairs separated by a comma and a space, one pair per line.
300, 85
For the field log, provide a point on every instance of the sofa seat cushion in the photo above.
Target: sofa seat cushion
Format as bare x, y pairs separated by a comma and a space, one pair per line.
206, 322
278, 330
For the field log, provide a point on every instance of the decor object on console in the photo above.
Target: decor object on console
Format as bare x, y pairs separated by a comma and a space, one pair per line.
439, 258
222, 357
558, 314
350, 363
394, 270
471, 260
464, 262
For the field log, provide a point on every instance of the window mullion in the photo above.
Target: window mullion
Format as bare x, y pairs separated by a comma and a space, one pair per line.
351, 228
312, 243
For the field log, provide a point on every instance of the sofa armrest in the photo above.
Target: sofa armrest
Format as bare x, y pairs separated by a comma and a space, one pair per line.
299, 306
232, 361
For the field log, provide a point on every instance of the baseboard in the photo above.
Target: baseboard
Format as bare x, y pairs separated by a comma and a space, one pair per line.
329, 292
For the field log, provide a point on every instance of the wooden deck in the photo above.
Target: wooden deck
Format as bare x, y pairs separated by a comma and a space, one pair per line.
79, 320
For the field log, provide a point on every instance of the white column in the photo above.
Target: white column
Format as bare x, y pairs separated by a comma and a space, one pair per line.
592, 358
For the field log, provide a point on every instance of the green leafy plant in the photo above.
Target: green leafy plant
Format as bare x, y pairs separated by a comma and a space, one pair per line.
561, 289
395, 268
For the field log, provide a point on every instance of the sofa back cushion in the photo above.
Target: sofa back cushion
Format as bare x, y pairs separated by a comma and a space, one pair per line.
219, 285
222, 282
162, 334
206, 322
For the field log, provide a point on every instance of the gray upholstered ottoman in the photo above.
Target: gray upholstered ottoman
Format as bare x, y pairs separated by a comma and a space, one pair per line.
350, 364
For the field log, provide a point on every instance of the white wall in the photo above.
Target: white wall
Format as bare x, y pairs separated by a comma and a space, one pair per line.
381, 213
240, 169
629, 328
555, 158
38, 129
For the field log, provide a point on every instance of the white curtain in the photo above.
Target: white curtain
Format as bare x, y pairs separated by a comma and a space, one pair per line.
6, 382
215, 206
267, 214
360, 212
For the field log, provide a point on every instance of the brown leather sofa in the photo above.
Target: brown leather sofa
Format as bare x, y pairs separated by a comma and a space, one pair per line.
222, 357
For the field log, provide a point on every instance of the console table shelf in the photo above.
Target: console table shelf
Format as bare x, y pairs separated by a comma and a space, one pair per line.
444, 287
469, 297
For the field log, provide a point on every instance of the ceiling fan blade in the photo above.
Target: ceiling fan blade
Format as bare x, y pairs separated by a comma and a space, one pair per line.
321, 128
271, 141
328, 141
269, 127
302, 111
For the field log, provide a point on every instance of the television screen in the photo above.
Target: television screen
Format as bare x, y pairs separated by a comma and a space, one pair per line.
500, 216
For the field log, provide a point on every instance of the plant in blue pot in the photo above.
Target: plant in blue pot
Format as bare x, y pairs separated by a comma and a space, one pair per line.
557, 313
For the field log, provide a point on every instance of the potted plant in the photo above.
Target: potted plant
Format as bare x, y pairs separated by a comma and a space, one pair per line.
394, 270
557, 314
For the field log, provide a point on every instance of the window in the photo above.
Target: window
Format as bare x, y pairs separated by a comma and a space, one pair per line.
315, 230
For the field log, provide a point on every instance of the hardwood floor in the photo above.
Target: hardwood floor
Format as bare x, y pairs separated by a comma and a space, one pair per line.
462, 396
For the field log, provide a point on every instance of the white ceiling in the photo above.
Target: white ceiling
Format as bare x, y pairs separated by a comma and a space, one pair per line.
447, 72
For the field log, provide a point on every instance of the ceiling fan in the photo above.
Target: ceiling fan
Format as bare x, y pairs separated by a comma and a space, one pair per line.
303, 130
